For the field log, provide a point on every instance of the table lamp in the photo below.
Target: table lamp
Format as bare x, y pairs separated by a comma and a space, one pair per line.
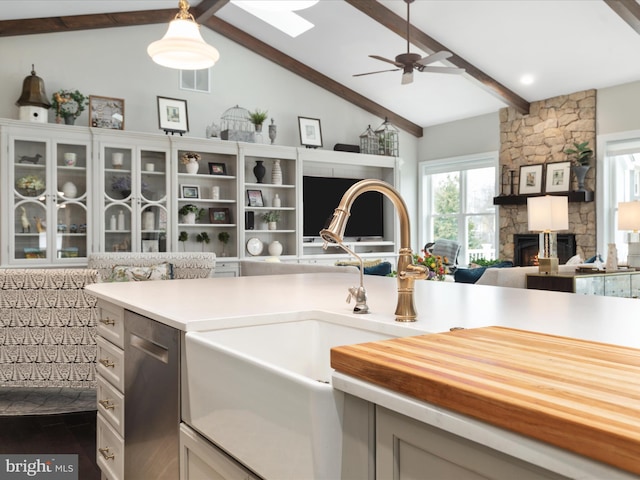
548, 215
629, 219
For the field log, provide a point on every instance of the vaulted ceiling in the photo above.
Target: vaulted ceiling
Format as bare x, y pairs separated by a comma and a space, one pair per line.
564, 45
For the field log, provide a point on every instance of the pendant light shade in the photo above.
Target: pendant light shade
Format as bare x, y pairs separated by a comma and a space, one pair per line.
182, 47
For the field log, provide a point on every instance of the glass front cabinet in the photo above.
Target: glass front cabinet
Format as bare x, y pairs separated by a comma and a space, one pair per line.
48, 202
134, 187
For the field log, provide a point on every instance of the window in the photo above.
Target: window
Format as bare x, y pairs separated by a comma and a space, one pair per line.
196, 80
456, 203
619, 181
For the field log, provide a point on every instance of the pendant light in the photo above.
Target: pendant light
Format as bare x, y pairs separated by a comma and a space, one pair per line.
182, 47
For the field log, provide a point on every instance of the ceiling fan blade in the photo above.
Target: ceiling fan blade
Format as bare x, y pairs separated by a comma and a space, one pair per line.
435, 57
379, 71
393, 62
407, 77
441, 69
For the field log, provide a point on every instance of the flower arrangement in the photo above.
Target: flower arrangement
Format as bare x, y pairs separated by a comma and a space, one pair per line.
30, 182
434, 263
123, 184
189, 157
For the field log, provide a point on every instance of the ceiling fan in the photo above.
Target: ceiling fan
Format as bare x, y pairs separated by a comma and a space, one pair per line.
408, 62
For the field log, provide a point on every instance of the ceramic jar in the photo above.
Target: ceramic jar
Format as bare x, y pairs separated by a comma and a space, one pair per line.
69, 190
275, 248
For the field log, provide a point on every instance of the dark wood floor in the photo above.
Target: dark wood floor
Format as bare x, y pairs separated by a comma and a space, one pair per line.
73, 433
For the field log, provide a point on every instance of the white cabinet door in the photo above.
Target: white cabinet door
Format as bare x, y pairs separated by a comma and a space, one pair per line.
410, 450
47, 199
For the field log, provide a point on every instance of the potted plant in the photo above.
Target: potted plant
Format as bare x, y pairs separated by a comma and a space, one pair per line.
183, 237
190, 213
271, 218
190, 161
68, 105
258, 117
224, 237
203, 237
581, 156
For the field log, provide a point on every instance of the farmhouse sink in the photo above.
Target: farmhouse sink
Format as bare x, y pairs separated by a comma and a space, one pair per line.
263, 392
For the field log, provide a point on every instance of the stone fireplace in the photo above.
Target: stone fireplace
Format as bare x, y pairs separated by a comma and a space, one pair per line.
541, 137
525, 250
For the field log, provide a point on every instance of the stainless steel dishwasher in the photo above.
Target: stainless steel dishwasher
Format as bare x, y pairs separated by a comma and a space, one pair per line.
152, 399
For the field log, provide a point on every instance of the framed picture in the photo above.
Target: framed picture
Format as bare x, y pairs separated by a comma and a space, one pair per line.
310, 133
190, 191
219, 215
106, 112
255, 198
530, 179
172, 115
217, 168
557, 177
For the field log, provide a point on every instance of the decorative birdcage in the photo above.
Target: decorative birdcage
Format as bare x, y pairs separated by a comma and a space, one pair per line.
235, 124
387, 139
369, 142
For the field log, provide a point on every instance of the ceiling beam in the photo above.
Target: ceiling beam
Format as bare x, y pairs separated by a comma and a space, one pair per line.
207, 9
398, 25
629, 11
313, 76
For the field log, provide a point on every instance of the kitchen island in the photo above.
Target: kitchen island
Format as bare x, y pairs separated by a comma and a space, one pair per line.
208, 304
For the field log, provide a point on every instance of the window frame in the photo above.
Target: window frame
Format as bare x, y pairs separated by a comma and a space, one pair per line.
453, 164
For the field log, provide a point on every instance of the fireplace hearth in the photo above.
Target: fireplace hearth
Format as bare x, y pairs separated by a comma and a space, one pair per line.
525, 248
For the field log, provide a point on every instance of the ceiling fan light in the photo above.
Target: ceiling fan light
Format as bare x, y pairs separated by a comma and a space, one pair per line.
407, 77
182, 47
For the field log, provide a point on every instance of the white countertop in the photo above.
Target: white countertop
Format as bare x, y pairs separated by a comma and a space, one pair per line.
205, 304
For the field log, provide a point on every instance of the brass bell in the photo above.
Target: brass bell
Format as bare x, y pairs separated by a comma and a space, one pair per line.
33, 93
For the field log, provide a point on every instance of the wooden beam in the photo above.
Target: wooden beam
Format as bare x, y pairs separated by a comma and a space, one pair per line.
207, 9
306, 72
398, 25
629, 11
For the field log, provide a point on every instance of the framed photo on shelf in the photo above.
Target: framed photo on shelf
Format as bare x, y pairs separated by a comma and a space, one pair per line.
558, 177
106, 112
530, 179
310, 132
190, 191
219, 215
255, 198
217, 168
172, 115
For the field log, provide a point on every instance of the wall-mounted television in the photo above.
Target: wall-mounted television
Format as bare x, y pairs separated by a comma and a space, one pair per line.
321, 196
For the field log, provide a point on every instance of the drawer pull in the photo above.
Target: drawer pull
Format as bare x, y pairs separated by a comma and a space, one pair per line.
107, 404
107, 321
107, 363
105, 453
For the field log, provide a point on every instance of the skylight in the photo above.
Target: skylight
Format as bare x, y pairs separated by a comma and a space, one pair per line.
279, 14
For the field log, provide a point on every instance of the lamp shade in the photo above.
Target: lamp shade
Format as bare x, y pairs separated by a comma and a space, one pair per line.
182, 47
629, 216
548, 213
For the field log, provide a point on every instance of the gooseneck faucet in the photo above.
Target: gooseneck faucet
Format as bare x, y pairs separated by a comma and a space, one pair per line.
407, 271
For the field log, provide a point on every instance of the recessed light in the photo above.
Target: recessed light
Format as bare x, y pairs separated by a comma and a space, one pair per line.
527, 79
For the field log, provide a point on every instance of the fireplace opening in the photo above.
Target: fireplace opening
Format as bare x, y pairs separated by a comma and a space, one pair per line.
525, 248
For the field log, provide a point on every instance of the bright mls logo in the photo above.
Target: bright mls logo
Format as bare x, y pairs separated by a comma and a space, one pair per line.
39, 467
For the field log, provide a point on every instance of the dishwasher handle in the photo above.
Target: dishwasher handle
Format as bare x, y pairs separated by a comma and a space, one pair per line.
151, 348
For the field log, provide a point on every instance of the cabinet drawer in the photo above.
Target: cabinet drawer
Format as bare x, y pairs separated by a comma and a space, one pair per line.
110, 363
109, 450
111, 323
110, 404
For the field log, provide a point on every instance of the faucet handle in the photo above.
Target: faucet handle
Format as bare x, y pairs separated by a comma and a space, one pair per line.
360, 295
417, 272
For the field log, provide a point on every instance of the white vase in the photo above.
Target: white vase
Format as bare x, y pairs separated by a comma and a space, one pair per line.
192, 167
69, 190
272, 225
117, 159
189, 218
275, 248
276, 173
148, 221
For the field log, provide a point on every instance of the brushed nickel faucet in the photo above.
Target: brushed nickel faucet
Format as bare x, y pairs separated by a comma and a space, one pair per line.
407, 271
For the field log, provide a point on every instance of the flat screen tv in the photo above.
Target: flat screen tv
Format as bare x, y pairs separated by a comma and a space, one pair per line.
321, 196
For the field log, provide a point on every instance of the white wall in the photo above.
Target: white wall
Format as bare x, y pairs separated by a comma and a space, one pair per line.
617, 109
114, 63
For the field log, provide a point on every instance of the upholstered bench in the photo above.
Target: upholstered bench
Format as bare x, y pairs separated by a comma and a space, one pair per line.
183, 264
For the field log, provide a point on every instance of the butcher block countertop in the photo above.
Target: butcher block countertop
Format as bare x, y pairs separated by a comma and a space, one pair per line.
579, 395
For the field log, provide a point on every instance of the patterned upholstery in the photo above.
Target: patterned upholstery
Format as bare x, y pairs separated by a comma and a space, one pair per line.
185, 264
47, 328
